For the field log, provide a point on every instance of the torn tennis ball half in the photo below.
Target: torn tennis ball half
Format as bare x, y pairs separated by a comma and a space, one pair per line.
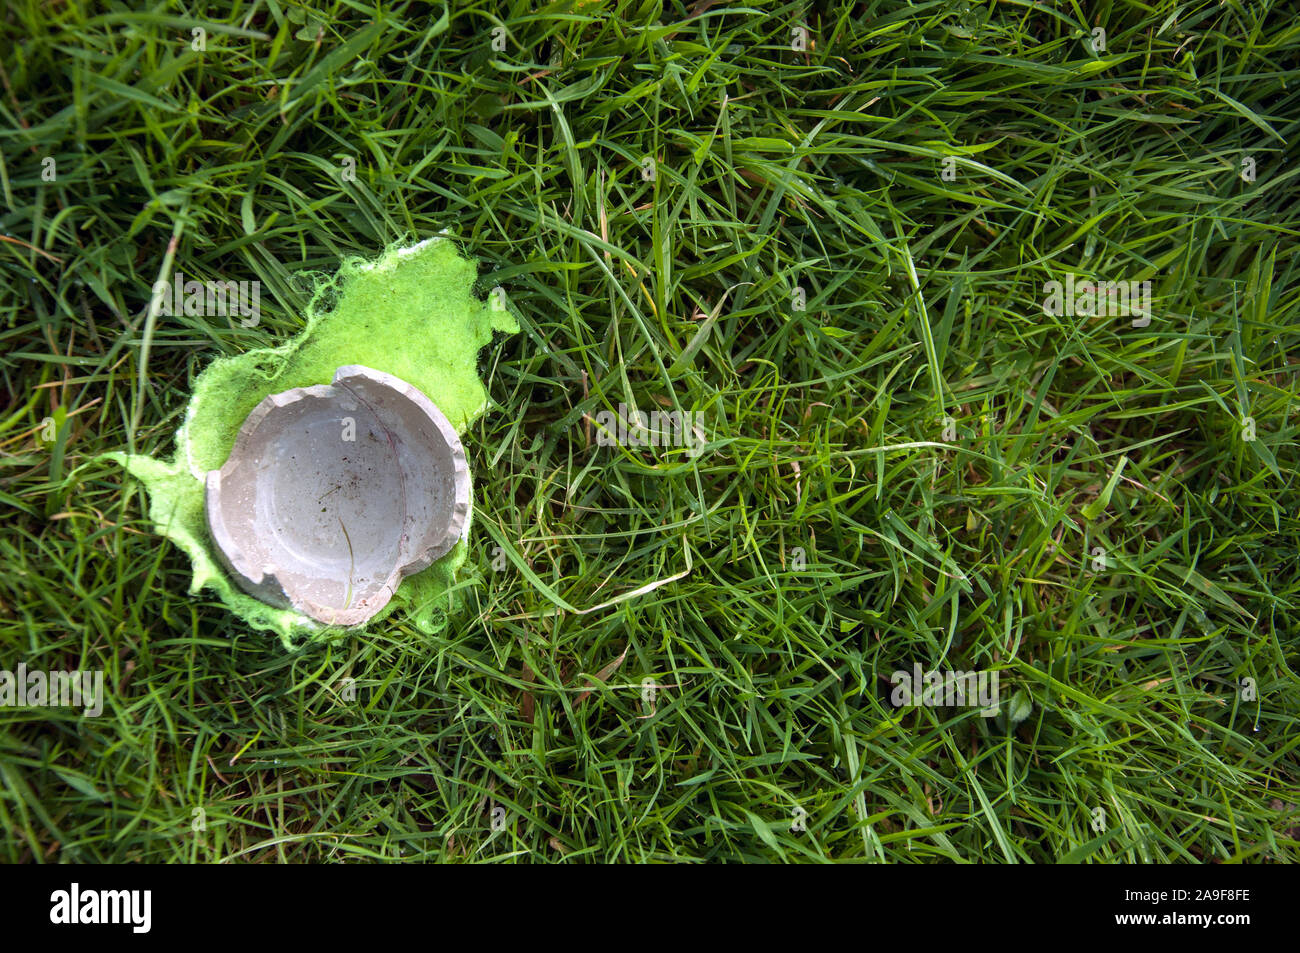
333, 494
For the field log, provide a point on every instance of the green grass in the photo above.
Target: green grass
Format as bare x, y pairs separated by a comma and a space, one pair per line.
1094, 526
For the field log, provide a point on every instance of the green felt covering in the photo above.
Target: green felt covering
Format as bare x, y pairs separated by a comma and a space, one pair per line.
413, 313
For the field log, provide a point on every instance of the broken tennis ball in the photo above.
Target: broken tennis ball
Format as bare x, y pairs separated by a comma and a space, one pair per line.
334, 493
411, 313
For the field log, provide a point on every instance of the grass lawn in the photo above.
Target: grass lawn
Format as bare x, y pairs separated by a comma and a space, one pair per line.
832, 232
